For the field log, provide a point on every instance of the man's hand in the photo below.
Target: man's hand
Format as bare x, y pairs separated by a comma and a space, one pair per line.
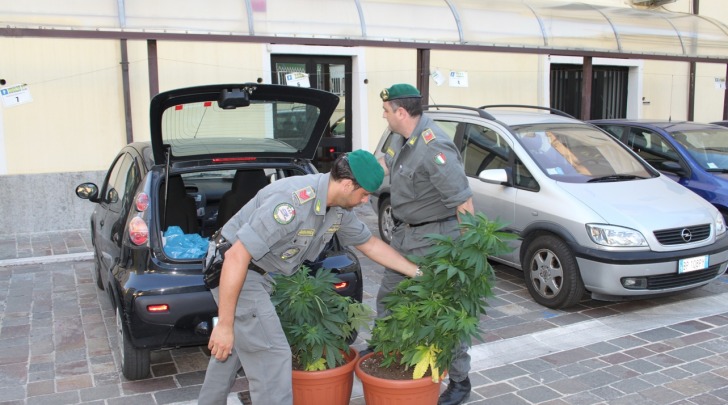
221, 341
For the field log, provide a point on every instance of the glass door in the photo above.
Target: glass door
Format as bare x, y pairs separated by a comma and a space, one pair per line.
328, 73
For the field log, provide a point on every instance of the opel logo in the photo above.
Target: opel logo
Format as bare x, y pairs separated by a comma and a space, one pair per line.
686, 235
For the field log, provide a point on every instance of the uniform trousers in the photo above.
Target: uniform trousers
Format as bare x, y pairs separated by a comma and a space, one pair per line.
260, 345
410, 240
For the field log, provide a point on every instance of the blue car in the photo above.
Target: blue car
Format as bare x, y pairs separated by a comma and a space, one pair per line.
693, 154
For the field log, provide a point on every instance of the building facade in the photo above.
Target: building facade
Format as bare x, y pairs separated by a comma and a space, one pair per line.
86, 71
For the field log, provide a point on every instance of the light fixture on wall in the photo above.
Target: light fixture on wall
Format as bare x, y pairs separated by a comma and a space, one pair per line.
649, 3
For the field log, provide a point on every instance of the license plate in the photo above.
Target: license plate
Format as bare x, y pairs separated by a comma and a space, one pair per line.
692, 264
214, 321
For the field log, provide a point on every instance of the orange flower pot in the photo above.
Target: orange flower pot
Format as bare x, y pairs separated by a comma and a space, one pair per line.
331, 387
380, 391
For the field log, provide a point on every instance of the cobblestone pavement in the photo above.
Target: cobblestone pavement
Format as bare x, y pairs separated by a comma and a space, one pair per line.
58, 345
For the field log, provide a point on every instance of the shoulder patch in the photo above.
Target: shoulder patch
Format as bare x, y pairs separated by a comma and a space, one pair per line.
305, 195
284, 213
440, 159
428, 135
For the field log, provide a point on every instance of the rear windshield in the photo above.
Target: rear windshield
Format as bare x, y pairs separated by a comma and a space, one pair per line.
203, 128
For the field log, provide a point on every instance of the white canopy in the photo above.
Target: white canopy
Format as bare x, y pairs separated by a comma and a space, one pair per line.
525, 26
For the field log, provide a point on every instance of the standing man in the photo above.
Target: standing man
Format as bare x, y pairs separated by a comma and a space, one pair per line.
428, 190
287, 222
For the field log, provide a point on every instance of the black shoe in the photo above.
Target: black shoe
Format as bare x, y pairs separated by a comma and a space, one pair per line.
366, 351
456, 393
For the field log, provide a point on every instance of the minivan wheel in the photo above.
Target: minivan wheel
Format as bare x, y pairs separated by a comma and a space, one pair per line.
551, 273
386, 222
134, 362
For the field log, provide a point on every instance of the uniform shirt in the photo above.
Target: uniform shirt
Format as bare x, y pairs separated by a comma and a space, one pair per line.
426, 175
287, 222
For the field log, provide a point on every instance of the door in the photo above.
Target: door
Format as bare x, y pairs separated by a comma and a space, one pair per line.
609, 90
114, 205
329, 73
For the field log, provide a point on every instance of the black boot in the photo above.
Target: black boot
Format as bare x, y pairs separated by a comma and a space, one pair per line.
456, 393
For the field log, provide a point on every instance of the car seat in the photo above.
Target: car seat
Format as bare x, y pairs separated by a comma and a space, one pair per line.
246, 185
180, 207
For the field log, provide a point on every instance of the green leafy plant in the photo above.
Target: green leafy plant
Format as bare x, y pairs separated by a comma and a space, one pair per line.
317, 321
430, 315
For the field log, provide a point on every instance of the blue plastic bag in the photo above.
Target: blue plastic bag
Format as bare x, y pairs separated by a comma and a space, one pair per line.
179, 245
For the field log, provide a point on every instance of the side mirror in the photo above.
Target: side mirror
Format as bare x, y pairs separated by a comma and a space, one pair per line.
495, 176
88, 191
672, 167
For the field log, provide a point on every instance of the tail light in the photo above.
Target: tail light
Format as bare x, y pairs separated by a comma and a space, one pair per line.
141, 202
138, 231
342, 285
158, 308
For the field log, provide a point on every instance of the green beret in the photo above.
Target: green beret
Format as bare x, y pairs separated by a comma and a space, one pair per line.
399, 91
366, 169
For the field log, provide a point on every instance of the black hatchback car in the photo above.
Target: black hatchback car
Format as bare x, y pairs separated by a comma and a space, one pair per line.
212, 148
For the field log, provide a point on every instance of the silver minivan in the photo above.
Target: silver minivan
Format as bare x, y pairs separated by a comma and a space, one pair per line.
591, 215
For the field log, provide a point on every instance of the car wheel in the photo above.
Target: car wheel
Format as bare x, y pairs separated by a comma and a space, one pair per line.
551, 273
386, 222
134, 362
97, 271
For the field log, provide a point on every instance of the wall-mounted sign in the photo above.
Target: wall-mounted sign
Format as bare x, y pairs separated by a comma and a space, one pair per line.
298, 79
15, 95
458, 79
720, 83
438, 77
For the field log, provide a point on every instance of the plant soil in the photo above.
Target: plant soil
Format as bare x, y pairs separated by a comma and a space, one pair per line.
396, 371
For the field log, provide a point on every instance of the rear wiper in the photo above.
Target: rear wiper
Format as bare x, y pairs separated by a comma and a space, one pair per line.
615, 177
717, 170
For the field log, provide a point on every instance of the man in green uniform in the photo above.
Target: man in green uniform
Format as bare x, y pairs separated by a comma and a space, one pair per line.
287, 222
428, 190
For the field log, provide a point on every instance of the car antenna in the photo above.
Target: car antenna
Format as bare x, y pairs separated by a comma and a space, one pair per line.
168, 151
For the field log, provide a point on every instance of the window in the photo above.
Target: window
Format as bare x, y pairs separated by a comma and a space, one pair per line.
121, 183
651, 147
482, 149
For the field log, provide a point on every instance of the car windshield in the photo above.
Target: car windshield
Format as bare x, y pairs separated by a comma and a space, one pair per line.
200, 128
709, 147
579, 154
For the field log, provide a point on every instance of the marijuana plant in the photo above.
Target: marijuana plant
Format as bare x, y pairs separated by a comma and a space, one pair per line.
317, 321
430, 315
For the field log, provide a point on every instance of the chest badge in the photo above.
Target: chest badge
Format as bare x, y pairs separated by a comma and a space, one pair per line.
428, 135
289, 253
440, 159
284, 213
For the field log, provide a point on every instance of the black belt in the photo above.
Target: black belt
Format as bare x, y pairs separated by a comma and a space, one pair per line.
223, 245
398, 222
255, 268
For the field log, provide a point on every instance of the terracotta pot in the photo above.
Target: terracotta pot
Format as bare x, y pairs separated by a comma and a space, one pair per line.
380, 391
325, 387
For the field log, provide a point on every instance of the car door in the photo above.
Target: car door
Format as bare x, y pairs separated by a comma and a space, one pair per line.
484, 148
114, 205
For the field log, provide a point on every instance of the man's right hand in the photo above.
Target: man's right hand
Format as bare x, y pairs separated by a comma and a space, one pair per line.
221, 341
